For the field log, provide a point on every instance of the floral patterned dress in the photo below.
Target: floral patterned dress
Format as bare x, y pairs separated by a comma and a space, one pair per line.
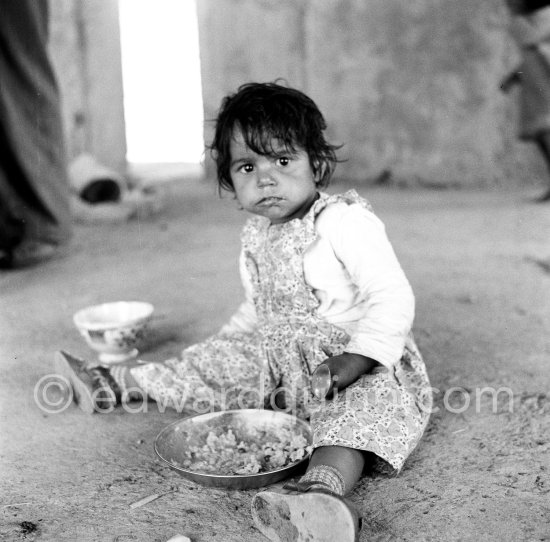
384, 412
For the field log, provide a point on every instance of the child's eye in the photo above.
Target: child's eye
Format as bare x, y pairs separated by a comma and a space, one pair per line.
247, 168
284, 160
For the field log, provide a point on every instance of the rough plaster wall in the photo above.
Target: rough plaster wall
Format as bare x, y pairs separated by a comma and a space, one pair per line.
413, 86
407, 86
104, 82
246, 40
85, 48
410, 87
66, 56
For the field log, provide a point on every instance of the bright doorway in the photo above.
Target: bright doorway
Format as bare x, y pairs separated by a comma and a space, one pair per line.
162, 84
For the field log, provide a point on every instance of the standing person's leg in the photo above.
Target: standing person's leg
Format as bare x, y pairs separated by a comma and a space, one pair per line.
33, 178
12, 230
543, 143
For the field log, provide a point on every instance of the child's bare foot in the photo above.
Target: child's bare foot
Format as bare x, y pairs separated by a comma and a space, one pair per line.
93, 388
299, 513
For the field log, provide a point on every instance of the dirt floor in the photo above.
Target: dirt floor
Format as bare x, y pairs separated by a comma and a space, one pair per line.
480, 267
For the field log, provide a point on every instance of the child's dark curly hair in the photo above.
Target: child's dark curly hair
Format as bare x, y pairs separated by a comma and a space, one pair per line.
267, 113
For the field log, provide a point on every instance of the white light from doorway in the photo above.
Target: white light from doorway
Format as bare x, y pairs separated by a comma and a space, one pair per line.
162, 84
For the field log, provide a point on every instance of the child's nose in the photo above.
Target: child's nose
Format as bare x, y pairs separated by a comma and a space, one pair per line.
265, 177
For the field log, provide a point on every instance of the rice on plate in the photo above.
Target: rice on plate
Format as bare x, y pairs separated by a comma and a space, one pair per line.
255, 451
237, 448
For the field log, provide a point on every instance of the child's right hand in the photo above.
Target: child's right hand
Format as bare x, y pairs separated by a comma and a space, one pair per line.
337, 372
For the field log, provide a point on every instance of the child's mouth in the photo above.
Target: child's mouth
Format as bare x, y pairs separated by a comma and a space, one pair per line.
268, 201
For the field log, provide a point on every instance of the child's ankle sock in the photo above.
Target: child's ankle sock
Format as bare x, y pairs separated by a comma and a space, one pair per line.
122, 377
325, 476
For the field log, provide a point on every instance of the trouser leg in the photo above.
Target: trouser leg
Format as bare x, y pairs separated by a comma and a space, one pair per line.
33, 178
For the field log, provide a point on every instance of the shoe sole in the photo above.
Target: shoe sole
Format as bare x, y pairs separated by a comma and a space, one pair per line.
304, 517
81, 393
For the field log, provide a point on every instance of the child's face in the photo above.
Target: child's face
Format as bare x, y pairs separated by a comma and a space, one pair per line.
280, 186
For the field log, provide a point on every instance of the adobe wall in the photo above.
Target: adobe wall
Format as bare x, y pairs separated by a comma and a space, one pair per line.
85, 50
407, 87
410, 87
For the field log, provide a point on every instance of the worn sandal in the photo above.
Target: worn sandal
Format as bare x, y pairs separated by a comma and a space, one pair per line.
300, 513
94, 390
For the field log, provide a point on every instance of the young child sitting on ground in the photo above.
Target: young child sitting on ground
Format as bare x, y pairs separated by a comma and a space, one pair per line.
324, 295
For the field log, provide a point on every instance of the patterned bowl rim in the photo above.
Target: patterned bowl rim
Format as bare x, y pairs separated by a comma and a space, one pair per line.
80, 318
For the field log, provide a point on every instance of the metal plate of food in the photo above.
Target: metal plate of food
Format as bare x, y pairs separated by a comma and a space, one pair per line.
237, 449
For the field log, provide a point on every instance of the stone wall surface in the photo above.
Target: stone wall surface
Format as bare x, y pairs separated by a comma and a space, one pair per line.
85, 49
248, 40
410, 88
66, 56
407, 87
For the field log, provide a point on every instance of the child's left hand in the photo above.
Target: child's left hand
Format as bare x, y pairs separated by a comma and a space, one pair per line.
343, 370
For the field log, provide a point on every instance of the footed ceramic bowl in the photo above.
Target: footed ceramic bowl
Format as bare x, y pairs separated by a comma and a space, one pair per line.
114, 330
